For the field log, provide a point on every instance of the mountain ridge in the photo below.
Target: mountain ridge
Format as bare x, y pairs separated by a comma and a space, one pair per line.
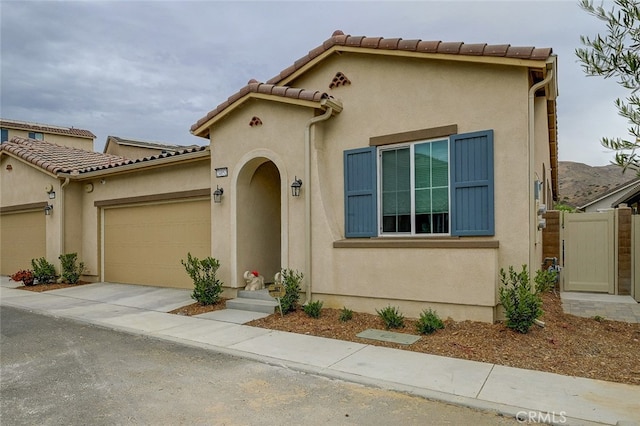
580, 183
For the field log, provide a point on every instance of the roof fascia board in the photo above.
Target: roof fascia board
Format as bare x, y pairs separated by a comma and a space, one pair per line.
140, 166
203, 129
497, 60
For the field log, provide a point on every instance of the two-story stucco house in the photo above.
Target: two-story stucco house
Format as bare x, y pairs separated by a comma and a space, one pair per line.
67, 136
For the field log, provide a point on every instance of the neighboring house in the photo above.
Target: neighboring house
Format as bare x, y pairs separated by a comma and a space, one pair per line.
67, 136
627, 193
130, 148
422, 165
388, 171
130, 221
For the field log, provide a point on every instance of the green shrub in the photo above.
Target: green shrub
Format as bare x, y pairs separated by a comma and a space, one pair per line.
291, 280
43, 271
71, 268
429, 322
545, 280
391, 317
313, 309
521, 305
346, 314
206, 287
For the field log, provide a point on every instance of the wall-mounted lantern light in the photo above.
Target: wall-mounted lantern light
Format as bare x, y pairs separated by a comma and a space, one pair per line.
295, 187
217, 194
48, 209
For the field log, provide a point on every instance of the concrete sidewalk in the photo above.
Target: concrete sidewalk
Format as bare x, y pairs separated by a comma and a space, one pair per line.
538, 396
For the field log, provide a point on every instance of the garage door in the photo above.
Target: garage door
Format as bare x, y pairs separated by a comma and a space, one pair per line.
22, 238
144, 244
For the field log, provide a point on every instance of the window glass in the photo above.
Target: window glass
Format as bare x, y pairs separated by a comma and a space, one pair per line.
421, 208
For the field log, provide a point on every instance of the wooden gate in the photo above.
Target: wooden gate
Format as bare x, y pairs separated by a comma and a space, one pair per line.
589, 252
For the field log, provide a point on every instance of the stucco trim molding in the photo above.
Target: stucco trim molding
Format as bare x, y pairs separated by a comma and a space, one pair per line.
387, 243
182, 195
23, 207
414, 135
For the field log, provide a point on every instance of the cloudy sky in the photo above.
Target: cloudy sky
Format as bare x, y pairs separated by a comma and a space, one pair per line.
150, 69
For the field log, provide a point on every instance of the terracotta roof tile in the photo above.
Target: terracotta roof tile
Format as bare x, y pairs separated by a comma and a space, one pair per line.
371, 42
450, 47
46, 128
428, 46
519, 52
63, 159
473, 49
408, 44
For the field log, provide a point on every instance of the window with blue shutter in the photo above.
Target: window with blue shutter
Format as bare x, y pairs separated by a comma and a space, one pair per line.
471, 168
4, 135
440, 187
361, 219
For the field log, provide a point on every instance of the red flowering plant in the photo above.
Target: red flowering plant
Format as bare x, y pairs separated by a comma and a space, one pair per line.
24, 275
255, 273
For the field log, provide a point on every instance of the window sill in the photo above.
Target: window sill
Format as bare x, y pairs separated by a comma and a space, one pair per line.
386, 242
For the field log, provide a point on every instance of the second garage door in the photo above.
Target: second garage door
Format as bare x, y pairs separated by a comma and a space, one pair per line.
144, 244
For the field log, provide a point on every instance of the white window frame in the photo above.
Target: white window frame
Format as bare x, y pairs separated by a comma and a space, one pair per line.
411, 146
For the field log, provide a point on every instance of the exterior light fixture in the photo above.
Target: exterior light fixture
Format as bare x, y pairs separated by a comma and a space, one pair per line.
217, 194
48, 209
222, 172
52, 195
295, 187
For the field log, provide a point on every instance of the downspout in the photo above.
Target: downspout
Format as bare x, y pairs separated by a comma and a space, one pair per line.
62, 197
307, 196
531, 143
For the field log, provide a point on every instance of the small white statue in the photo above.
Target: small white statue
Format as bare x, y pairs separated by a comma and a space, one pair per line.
254, 281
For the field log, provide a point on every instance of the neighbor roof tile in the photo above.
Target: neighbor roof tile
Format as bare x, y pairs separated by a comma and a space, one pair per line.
63, 159
46, 128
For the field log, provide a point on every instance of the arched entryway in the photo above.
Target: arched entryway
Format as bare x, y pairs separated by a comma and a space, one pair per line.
258, 232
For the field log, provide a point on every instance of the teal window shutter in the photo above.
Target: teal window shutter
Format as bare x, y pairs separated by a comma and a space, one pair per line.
360, 193
5, 135
472, 185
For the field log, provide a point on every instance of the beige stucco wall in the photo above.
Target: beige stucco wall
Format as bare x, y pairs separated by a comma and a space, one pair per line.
133, 152
241, 148
387, 96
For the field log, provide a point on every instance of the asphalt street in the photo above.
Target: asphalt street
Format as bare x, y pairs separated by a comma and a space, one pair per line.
56, 371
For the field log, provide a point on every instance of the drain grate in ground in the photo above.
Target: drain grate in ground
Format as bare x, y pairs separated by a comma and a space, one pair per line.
389, 336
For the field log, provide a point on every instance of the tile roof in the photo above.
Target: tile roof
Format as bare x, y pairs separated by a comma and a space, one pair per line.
147, 144
338, 38
62, 159
46, 128
254, 86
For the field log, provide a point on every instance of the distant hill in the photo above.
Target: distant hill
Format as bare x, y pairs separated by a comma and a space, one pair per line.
580, 183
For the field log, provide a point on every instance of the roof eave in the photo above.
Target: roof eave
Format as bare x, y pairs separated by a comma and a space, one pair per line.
203, 130
498, 60
139, 165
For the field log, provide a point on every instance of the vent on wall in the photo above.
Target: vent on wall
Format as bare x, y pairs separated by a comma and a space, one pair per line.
339, 80
255, 121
